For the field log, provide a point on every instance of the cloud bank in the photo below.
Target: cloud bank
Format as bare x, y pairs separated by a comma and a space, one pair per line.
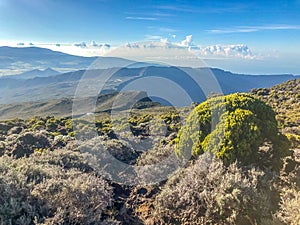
228, 51
239, 51
250, 29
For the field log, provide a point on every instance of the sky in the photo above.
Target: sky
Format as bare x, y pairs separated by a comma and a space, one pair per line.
242, 36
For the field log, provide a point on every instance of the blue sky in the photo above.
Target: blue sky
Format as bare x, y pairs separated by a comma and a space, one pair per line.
270, 29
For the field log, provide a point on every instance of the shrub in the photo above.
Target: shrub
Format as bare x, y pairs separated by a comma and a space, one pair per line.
5, 127
294, 139
155, 155
39, 125
67, 159
289, 212
2, 148
17, 205
74, 198
233, 128
24, 144
52, 124
49, 188
210, 193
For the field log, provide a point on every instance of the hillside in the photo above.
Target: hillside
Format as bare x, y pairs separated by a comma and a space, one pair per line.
64, 85
33, 73
15, 60
63, 107
285, 100
128, 167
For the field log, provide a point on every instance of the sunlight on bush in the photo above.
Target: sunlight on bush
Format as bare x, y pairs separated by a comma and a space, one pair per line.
233, 128
210, 193
52, 188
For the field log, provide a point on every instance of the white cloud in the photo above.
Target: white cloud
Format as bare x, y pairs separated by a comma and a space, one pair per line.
94, 44
228, 51
166, 29
82, 44
140, 18
187, 42
105, 45
80, 49
164, 40
153, 37
218, 51
214, 51
250, 29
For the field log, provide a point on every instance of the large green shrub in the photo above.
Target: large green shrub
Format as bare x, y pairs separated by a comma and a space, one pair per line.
233, 128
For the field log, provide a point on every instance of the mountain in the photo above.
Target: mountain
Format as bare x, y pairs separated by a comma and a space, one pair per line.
229, 82
150, 79
63, 107
17, 60
34, 73
59, 86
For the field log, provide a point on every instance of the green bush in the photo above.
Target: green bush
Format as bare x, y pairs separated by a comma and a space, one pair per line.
294, 139
233, 128
52, 124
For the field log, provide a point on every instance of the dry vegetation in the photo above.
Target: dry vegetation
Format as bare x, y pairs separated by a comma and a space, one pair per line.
46, 179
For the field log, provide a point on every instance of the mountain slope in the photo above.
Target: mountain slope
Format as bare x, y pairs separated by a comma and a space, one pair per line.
15, 60
63, 107
34, 73
64, 85
285, 100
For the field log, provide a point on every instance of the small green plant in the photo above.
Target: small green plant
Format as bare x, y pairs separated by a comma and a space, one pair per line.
52, 124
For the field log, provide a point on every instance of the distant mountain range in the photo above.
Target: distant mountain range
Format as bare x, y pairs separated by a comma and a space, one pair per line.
34, 73
16, 60
64, 85
124, 75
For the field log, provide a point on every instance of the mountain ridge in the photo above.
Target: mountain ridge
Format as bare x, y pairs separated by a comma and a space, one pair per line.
65, 85
34, 73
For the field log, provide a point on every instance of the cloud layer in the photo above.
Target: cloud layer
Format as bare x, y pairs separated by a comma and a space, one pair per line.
250, 29
93, 48
214, 51
232, 51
